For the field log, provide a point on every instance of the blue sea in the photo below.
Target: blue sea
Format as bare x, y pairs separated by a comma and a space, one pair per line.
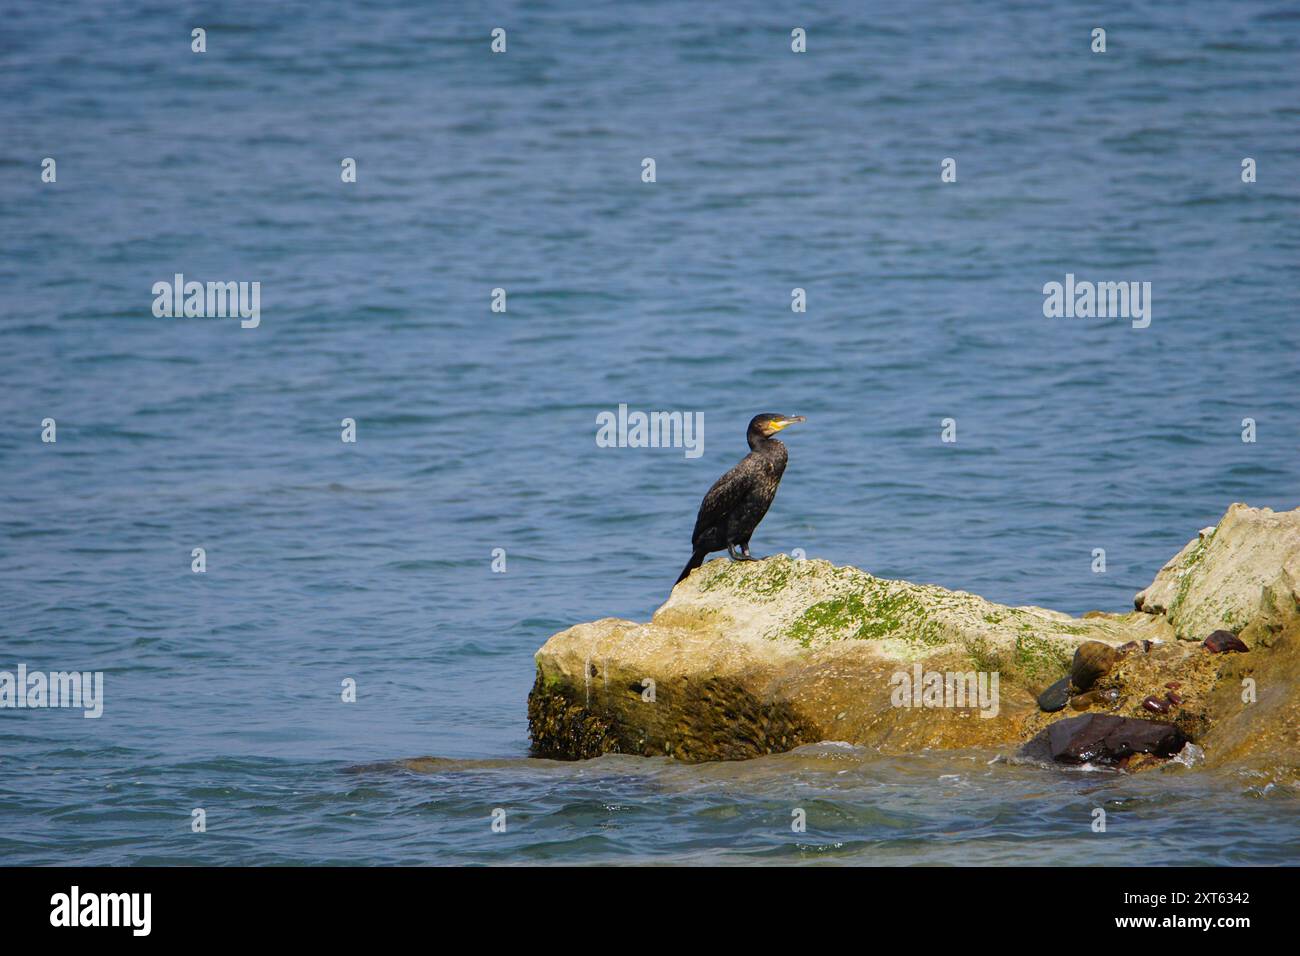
372, 561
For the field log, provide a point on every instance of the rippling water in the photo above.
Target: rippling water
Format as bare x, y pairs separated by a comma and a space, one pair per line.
476, 430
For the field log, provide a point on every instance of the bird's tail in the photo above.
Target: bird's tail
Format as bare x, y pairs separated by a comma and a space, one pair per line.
696, 560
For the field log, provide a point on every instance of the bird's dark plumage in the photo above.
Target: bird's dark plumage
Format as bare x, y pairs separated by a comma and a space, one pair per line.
739, 499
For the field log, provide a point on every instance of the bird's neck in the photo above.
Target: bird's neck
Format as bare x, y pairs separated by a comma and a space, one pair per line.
766, 446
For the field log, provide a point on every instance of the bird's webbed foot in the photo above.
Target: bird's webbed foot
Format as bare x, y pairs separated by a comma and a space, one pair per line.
744, 554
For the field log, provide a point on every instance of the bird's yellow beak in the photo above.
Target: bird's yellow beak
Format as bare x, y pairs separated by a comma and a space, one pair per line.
777, 424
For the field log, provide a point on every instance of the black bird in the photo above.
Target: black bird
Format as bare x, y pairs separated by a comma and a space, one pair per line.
738, 500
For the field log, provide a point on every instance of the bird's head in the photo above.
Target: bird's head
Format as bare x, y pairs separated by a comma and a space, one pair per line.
768, 424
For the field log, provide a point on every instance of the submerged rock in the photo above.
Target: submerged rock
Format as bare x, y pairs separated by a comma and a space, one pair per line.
1222, 642
1104, 739
761, 657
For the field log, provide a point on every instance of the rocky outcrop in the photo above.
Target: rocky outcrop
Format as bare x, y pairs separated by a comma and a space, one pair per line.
748, 658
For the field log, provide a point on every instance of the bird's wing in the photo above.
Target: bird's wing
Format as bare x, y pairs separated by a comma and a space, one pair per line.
722, 499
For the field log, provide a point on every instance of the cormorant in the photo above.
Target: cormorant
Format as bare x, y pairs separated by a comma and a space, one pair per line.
738, 500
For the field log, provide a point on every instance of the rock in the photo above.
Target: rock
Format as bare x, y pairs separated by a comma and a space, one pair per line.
1155, 705
1105, 739
1229, 574
749, 658
1242, 576
1222, 642
1093, 698
1092, 659
760, 657
1055, 697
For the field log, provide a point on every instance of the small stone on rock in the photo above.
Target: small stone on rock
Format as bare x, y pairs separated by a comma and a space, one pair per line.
1092, 698
1221, 642
1055, 697
1156, 705
1092, 660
